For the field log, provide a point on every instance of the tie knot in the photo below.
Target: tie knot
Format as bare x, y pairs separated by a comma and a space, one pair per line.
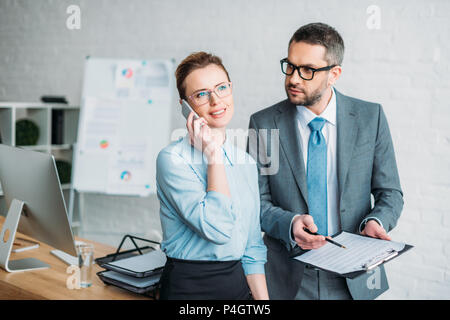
317, 124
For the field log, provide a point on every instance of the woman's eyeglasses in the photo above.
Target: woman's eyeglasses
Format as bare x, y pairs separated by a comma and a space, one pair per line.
202, 97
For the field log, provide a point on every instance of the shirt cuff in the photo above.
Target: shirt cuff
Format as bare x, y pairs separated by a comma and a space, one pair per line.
367, 220
223, 199
293, 243
253, 268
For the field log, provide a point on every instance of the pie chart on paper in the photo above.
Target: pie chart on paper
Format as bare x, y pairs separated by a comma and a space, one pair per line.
125, 175
104, 144
127, 73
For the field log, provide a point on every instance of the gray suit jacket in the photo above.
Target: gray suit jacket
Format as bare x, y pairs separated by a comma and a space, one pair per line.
366, 165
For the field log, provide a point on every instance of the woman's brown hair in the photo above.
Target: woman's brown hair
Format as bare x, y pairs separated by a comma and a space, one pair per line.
196, 60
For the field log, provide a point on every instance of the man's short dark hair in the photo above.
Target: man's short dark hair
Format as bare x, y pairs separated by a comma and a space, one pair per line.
322, 34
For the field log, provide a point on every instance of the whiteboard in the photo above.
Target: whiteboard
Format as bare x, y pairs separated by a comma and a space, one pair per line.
124, 122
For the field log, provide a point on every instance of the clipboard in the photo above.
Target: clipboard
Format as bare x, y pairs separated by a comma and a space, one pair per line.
355, 274
365, 267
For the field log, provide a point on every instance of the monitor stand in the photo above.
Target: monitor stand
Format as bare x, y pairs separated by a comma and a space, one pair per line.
7, 237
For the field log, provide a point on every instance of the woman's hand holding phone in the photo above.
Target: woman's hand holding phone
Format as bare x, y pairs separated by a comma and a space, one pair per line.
203, 139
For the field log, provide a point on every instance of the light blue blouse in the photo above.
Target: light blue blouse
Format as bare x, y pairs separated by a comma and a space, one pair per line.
201, 225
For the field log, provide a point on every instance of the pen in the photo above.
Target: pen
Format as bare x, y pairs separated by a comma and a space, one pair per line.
329, 240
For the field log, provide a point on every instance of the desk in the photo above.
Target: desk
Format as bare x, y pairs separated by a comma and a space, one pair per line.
51, 283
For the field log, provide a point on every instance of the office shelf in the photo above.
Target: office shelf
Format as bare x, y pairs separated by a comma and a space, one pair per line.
41, 115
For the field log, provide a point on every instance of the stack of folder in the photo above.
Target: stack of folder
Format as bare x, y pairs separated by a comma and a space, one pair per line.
136, 272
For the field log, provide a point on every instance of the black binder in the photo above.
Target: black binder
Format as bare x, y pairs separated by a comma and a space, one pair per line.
57, 126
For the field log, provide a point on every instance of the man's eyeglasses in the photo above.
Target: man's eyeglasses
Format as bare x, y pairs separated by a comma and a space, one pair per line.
306, 73
202, 97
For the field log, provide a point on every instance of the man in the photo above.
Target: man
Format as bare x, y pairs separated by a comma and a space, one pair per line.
334, 152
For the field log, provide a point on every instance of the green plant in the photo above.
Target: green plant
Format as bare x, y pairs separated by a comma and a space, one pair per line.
64, 169
27, 133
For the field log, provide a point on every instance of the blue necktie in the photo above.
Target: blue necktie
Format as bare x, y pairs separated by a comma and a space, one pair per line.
316, 175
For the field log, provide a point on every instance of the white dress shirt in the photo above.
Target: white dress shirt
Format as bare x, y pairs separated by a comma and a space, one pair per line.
329, 131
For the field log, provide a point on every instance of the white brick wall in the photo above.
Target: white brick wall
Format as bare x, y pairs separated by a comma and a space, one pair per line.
404, 66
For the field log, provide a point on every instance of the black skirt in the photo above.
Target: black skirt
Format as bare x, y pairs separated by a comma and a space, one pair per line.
203, 280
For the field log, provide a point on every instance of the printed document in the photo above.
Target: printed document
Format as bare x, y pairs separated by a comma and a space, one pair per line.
359, 253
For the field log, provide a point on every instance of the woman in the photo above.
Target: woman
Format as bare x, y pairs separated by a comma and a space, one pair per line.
209, 201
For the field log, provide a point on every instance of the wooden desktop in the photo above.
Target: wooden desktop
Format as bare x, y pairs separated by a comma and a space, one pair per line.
50, 284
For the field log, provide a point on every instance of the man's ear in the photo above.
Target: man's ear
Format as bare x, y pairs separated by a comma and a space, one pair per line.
334, 75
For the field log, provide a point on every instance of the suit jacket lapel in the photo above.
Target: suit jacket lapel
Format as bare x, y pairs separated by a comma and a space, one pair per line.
346, 115
289, 141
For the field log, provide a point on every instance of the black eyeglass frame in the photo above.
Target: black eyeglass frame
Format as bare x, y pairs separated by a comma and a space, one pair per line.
314, 70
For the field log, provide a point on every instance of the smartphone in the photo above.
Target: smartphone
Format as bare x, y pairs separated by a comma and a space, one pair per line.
186, 109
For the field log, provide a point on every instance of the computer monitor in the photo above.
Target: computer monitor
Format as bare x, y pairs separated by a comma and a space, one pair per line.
32, 192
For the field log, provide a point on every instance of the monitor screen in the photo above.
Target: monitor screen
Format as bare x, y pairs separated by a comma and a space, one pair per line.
31, 177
